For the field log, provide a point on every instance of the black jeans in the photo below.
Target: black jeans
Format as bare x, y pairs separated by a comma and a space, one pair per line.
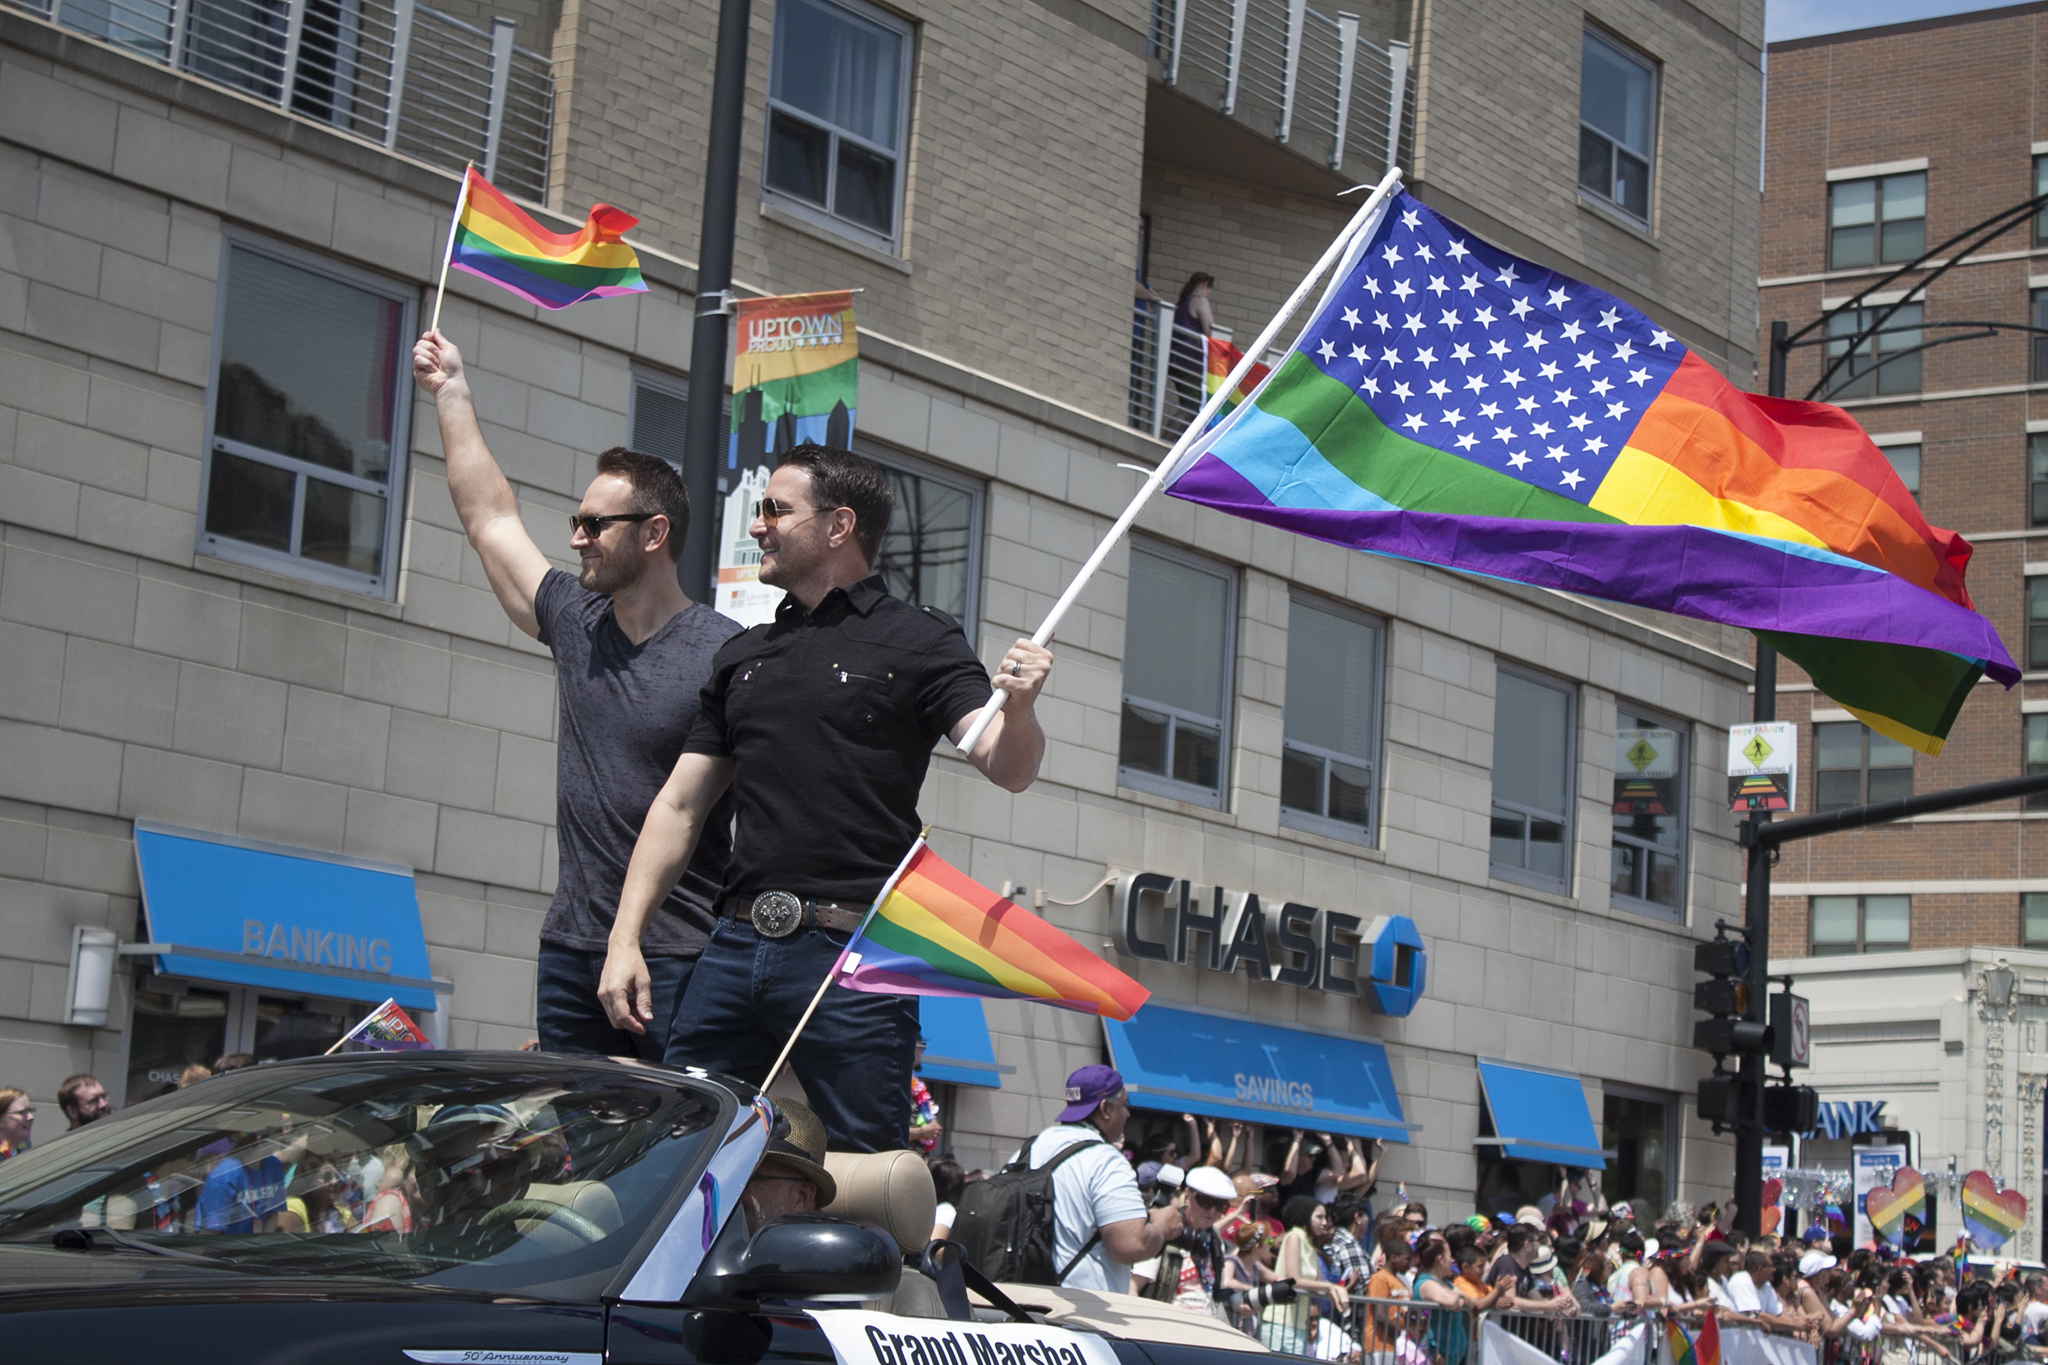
854, 1058
572, 1020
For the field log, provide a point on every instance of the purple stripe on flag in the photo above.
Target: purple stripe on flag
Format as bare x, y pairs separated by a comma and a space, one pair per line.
1686, 570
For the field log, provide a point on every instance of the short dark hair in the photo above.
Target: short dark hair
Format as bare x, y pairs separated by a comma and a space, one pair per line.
233, 1061
840, 478
67, 1093
657, 488
1519, 1236
1345, 1210
948, 1180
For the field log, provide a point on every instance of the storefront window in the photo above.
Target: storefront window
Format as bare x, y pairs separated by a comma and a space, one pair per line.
1635, 1132
174, 1029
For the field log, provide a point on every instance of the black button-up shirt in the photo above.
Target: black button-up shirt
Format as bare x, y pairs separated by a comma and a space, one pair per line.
829, 718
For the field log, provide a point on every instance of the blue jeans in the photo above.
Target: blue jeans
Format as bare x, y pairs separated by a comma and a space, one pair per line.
571, 1020
854, 1057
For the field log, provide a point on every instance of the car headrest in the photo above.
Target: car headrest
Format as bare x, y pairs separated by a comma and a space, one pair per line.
892, 1190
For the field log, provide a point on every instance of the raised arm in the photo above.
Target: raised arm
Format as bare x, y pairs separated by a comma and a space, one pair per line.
481, 493
668, 837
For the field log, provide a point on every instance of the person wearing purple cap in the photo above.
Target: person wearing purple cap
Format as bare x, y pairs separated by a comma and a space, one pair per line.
1101, 1227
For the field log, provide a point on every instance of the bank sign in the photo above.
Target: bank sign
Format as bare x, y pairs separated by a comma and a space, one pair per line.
1162, 919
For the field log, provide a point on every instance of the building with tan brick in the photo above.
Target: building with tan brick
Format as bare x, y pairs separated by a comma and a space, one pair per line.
1883, 144
238, 615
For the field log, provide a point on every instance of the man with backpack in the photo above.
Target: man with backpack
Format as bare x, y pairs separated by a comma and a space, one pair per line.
1066, 1210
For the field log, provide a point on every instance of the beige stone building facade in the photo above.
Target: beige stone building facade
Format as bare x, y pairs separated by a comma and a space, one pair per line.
237, 612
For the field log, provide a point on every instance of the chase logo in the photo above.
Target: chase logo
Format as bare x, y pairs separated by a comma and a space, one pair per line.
1399, 964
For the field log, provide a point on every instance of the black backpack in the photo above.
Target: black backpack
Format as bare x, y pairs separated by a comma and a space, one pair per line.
1005, 1223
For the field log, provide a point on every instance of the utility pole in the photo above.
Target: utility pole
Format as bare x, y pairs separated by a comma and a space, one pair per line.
1756, 919
704, 426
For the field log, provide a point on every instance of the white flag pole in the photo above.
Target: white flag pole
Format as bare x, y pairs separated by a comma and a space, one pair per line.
1360, 221
448, 253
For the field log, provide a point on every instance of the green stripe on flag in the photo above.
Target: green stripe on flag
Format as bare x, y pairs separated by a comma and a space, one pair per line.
1920, 690
1413, 476
912, 944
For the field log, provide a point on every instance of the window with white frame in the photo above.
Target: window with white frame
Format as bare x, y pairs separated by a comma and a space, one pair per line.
306, 418
1179, 632
1330, 743
1649, 813
838, 106
1879, 221
1617, 124
1534, 739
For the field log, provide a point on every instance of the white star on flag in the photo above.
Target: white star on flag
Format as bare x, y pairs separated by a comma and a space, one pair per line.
1466, 441
1571, 478
1439, 389
1660, 338
1328, 350
1413, 421
1518, 459
1351, 318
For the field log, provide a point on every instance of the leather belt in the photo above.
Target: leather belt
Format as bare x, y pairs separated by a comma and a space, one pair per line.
778, 914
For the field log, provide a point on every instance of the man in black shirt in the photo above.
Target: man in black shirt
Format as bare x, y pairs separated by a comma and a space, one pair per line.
822, 722
632, 652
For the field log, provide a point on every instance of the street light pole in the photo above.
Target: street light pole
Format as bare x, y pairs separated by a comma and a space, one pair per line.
1749, 1134
704, 425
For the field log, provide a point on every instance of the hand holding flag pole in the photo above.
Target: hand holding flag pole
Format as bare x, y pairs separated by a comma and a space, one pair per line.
1362, 222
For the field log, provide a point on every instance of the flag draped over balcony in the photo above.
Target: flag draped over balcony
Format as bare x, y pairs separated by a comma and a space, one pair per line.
1452, 404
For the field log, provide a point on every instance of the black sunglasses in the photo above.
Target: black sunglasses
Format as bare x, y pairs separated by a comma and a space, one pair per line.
770, 511
593, 527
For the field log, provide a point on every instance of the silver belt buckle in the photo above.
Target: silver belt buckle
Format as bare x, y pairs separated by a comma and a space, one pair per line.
776, 914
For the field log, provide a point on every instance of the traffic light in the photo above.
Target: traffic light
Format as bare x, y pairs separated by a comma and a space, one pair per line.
1721, 1100
1726, 997
1791, 1108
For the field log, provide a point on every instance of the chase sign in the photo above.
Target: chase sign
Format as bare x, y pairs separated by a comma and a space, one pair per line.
1385, 962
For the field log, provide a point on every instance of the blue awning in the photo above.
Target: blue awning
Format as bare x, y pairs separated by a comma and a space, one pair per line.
281, 919
1261, 1073
956, 1042
1540, 1116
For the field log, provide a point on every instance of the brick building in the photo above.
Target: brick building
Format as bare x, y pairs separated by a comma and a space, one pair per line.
1883, 143
212, 646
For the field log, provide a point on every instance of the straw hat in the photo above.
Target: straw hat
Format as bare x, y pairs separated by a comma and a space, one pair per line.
802, 1148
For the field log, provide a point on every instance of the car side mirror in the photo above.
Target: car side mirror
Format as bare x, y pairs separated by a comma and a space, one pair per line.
799, 1256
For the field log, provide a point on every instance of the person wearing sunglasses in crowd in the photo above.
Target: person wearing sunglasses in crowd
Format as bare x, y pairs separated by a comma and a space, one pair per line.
821, 723
1188, 1271
632, 653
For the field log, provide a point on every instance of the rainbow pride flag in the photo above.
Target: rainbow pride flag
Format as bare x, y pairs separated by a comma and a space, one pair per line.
1679, 1344
1454, 405
1706, 1344
1223, 358
496, 239
936, 931
388, 1028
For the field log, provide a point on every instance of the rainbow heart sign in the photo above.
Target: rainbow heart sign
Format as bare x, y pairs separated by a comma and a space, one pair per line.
1991, 1215
1772, 1210
1887, 1208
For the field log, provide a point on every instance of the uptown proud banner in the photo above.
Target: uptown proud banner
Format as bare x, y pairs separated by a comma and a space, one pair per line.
795, 379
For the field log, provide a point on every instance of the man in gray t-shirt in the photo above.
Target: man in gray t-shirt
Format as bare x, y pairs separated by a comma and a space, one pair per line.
632, 652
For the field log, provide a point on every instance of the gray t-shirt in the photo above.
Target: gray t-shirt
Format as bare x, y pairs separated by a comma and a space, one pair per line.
625, 710
1091, 1189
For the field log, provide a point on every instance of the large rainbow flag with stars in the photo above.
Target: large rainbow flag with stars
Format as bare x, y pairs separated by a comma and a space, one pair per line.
1452, 404
936, 931
496, 239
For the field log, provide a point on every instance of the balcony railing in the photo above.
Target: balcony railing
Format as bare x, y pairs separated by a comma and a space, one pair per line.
1308, 76
393, 72
1166, 380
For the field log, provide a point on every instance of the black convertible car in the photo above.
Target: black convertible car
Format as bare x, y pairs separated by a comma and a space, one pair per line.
500, 1207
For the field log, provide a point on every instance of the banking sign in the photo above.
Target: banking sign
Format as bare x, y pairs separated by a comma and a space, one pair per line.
286, 920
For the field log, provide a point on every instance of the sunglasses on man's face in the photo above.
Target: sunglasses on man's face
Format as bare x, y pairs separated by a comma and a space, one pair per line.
593, 527
770, 511
1209, 1201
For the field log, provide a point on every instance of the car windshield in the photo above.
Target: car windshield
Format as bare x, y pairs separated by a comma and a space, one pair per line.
489, 1173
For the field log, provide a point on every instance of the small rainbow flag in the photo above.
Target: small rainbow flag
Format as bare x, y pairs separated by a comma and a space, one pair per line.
1679, 1343
388, 1028
936, 931
1223, 358
499, 241
1707, 1344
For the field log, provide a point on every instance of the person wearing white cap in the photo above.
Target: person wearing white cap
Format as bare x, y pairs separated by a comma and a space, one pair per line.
1188, 1271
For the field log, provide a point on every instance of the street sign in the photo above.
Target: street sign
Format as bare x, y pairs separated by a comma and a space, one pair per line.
1791, 1030
1763, 766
